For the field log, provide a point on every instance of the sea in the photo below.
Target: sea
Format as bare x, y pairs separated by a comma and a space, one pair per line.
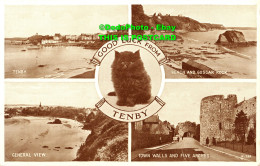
41, 141
237, 66
47, 62
66, 62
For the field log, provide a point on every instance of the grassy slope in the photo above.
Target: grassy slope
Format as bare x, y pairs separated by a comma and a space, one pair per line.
108, 141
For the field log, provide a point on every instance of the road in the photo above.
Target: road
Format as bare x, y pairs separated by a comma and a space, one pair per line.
188, 149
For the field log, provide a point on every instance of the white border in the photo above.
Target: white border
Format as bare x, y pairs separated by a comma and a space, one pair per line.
128, 2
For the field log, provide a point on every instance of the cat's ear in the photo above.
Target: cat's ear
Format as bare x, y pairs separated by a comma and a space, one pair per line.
137, 53
117, 54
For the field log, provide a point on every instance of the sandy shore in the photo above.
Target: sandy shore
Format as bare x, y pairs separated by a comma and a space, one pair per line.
236, 64
88, 74
32, 139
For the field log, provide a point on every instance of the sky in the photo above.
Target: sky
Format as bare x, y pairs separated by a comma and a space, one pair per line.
227, 15
24, 21
183, 99
79, 94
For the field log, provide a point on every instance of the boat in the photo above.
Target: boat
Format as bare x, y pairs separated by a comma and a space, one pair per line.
24, 49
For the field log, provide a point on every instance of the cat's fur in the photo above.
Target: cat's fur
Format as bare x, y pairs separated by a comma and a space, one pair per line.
131, 81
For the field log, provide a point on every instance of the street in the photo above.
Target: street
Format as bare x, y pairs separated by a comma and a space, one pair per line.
189, 149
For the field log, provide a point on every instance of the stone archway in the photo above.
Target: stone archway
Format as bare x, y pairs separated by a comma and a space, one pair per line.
187, 134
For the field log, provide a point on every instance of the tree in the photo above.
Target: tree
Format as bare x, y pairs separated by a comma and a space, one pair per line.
176, 131
251, 137
35, 39
241, 123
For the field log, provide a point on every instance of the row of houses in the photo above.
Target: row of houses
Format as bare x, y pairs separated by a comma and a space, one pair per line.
151, 132
58, 38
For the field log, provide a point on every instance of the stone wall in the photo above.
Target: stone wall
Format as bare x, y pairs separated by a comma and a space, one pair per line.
187, 127
248, 107
217, 115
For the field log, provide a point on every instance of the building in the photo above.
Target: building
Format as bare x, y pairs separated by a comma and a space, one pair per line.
67, 37
146, 124
153, 125
96, 36
85, 37
73, 37
49, 41
248, 107
151, 132
217, 117
186, 129
57, 37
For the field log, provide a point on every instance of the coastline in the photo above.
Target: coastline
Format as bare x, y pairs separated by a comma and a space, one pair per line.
88, 74
29, 135
195, 46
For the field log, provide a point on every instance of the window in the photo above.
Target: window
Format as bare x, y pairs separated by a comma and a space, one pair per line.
220, 126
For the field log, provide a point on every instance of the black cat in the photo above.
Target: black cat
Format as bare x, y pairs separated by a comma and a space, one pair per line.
131, 81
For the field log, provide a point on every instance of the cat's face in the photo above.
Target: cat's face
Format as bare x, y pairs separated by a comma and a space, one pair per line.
127, 60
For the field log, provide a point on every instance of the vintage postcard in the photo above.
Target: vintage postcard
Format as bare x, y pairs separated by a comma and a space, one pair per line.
129, 83
49, 122
200, 122
211, 41
56, 41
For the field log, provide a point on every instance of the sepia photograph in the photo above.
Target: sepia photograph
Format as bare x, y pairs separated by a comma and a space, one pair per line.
56, 41
212, 41
109, 83
200, 122
129, 78
59, 122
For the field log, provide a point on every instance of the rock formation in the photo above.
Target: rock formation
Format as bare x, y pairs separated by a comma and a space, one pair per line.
233, 38
56, 121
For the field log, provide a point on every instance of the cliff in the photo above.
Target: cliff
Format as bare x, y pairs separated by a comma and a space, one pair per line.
181, 22
108, 140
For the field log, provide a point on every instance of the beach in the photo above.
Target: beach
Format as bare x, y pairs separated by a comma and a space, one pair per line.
48, 62
32, 139
74, 62
239, 62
